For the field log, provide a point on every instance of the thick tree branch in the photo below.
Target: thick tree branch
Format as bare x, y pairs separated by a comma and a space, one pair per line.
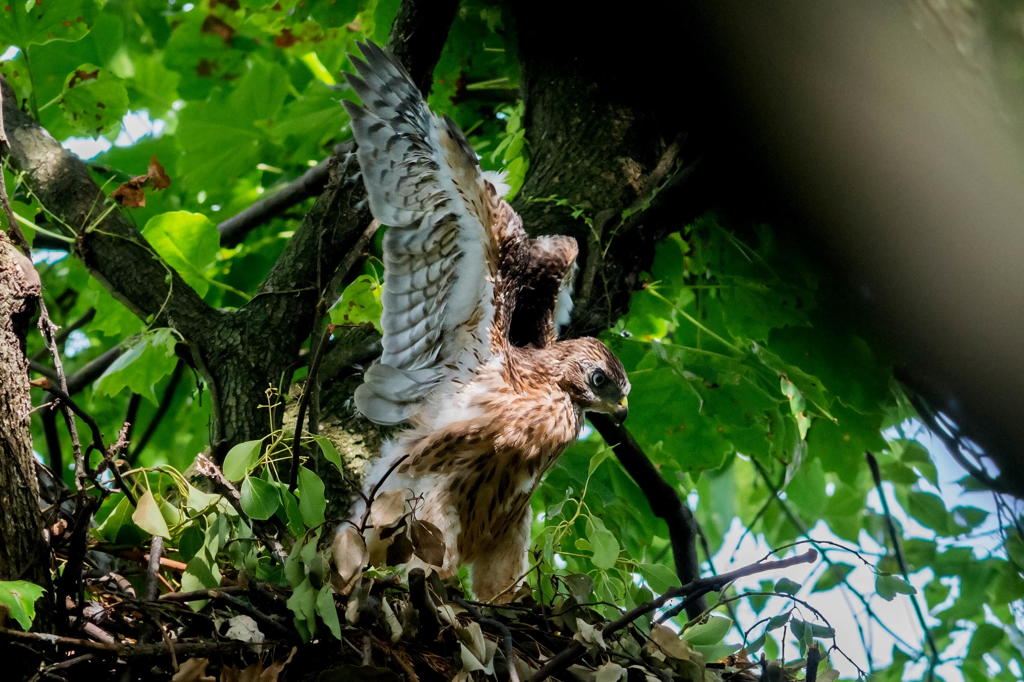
113, 250
664, 501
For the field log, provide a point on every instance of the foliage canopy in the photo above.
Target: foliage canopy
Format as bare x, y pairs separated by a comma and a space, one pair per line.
756, 391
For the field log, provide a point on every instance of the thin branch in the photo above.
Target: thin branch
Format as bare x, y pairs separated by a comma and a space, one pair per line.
65, 332
663, 498
689, 592
206, 467
130, 650
156, 550
901, 561
310, 184
308, 390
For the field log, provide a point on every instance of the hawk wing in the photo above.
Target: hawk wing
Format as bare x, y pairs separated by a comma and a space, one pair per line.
441, 253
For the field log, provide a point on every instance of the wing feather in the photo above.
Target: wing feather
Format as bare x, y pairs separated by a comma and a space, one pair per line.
440, 251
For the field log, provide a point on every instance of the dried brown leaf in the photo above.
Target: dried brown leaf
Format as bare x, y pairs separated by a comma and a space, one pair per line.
428, 542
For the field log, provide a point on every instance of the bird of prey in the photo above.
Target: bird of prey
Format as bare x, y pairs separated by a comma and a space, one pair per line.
471, 361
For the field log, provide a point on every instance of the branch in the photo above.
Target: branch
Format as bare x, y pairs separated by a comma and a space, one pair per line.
894, 536
108, 244
418, 35
663, 498
689, 592
133, 650
309, 184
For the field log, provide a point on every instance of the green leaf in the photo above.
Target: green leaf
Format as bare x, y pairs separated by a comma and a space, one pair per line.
328, 611
28, 23
603, 544
188, 242
709, 632
969, 517
985, 638
930, 511
148, 517
94, 101
360, 303
312, 504
787, 586
303, 604
259, 498
19, 596
241, 458
329, 452
141, 366
888, 586
776, 622
660, 577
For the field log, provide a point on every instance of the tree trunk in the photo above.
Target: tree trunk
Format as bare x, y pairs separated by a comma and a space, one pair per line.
23, 551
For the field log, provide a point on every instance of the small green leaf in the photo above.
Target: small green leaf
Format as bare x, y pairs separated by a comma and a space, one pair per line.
970, 517
19, 596
330, 452
930, 511
605, 547
660, 577
778, 621
303, 604
188, 242
328, 611
709, 632
94, 100
359, 303
259, 498
833, 575
986, 636
241, 459
148, 517
141, 366
312, 504
787, 586
888, 586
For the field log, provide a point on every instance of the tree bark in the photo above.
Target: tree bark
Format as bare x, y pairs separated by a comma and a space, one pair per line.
23, 551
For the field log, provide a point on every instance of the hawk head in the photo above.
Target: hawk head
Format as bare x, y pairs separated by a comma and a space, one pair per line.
594, 377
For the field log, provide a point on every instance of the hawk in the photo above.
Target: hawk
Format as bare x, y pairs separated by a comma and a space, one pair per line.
471, 360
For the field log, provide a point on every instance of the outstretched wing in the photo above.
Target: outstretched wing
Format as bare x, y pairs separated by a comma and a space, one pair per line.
442, 249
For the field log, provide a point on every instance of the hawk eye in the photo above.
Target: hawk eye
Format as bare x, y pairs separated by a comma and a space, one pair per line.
598, 379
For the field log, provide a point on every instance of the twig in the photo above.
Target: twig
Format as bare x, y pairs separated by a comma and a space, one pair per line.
133, 650
63, 665
933, 658
376, 489
690, 591
307, 392
65, 332
207, 468
663, 498
156, 549
198, 595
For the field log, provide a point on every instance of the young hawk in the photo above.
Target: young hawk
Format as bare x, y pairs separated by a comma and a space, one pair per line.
472, 361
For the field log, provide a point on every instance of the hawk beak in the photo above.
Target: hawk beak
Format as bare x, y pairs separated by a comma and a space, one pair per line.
621, 410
